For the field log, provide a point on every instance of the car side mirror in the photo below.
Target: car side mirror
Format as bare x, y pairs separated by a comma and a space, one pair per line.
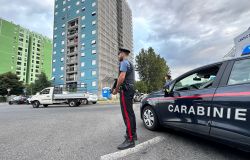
166, 91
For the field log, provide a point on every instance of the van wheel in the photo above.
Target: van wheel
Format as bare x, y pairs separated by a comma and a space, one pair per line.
10, 103
72, 103
45, 105
36, 104
150, 119
94, 102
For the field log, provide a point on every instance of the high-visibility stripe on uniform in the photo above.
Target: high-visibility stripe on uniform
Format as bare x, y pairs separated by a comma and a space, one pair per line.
126, 116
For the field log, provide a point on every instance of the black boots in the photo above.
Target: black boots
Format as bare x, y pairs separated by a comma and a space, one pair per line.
126, 144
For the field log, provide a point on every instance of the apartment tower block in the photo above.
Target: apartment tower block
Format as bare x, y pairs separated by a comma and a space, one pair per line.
87, 35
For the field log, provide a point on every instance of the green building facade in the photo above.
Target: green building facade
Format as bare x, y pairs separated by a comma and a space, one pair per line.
24, 52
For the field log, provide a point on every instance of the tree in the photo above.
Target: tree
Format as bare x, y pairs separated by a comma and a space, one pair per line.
152, 69
11, 81
41, 83
141, 86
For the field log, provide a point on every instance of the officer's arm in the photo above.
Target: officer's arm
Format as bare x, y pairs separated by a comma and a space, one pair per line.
120, 80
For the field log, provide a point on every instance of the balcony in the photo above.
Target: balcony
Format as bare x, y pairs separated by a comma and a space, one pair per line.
71, 78
71, 69
72, 61
72, 44
71, 27
71, 35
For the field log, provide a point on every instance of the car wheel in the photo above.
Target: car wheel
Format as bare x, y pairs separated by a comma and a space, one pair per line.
10, 103
78, 104
150, 119
94, 102
85, 101
72, 103
45, 105
36, 104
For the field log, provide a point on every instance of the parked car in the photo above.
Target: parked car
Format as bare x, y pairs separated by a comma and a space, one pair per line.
18, 100
138, 97
212, 101
92, 98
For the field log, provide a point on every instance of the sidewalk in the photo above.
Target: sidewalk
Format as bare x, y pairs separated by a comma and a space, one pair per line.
109, 102
3, 103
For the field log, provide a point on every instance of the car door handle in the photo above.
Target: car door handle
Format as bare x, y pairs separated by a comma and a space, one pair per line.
48, 96
209, 123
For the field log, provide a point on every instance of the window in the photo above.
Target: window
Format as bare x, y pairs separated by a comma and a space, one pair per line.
93, 22
63, 25
54, 61
64, 2
93, 73
83, 85
62, 50
45, 91
93, 4
77, 11
83, 54
94, 83
93, 42
93, 13
62, 59
83, 26
83, 17
63, 33
83, 35
93, 51
54, 69
62, 42
82, 64
64, 9
94, 32
198, 80
77, 3
93, 62
240, 72
82, 74
83, 9
62, 68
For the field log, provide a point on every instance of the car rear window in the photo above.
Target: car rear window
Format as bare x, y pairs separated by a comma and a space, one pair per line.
240, 73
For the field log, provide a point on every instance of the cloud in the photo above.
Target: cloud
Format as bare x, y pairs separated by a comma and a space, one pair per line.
189, 33
35, 15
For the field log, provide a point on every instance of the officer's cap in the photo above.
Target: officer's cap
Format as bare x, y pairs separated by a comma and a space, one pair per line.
124, 50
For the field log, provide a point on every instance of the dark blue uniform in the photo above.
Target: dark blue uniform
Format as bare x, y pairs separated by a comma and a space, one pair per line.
126, 98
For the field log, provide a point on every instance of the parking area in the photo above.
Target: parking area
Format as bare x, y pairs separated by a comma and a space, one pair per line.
93, 132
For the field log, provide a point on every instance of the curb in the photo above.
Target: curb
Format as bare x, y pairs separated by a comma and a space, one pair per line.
108, 102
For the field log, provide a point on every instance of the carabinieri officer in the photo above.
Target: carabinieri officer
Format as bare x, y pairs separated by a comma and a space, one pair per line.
125, 85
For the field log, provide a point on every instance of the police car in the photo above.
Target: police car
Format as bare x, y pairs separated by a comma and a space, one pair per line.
212, 101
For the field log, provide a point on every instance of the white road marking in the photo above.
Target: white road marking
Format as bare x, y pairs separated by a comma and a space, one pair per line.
137, 148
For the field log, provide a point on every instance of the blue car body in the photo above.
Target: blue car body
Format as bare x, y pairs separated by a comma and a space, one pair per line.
211, 101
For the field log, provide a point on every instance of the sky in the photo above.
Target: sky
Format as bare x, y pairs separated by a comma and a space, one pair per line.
187, 33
